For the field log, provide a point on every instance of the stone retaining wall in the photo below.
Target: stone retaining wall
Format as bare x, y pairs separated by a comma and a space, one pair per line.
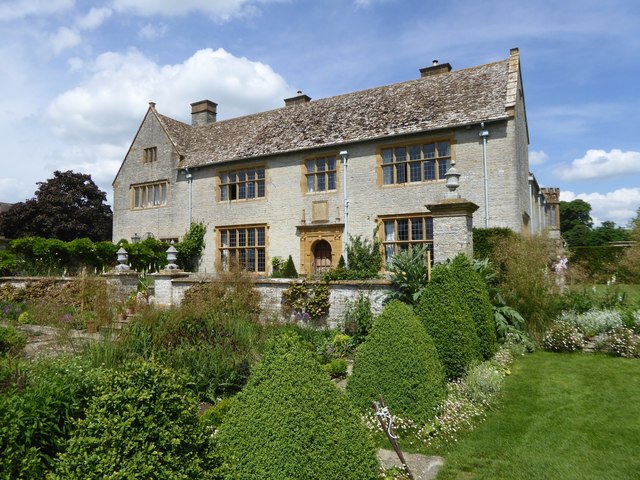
169, 288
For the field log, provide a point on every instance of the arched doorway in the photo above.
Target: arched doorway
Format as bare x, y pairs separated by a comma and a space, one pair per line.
321, 256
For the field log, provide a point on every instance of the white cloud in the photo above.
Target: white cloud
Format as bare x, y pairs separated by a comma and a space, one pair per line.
75, 63
219, 9
13, 190
100, 116
23, 8
537, 157
618, 206
93, 19
115, 97
63, 39
151, 32
601, 164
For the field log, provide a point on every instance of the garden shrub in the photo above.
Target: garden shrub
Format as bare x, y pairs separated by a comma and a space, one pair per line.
51, 256
409, 274
599, 262
593, 322
399, 361
337, 368
525, 282
191, 247
36, 414
81, 302
563, 337
148, 255
357, 318
213, 416
232, 292
289, 269
474, 292
141, 423
485, 239
483, 382
291, 422
12, 341
364, 257
7, 263
624, 342
446, 318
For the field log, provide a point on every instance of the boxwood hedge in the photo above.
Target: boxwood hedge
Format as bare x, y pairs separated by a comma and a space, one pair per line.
446, 317
291, 422
399, 361
474, 291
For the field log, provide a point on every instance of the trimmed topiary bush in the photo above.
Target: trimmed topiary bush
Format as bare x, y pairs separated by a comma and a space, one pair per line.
291, 422
142, 423
446, 317
289, 270
474, 291
399, 361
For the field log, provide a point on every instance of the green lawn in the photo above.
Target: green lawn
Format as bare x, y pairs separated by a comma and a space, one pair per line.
561, 416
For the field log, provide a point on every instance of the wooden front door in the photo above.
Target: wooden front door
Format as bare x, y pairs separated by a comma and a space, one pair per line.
322, 256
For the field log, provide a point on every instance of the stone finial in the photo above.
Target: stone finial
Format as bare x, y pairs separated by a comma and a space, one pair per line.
123, 258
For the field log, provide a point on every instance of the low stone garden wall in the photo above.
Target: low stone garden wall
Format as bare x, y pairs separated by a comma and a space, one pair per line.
169, 288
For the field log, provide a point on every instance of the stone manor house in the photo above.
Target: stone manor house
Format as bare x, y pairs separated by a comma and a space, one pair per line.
301, 179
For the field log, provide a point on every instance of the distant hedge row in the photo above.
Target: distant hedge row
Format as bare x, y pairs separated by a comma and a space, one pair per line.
600, 263
50, 256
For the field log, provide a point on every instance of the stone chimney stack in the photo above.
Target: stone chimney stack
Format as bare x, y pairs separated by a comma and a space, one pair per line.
203, 112
436, 68
297, 100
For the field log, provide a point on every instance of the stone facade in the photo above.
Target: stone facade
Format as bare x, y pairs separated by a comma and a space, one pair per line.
447, 106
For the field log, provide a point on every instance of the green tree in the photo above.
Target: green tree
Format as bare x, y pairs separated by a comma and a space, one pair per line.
68, 206
576, 223
608, 232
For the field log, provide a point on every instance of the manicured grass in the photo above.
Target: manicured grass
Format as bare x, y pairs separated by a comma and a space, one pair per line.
561, 416
630, 291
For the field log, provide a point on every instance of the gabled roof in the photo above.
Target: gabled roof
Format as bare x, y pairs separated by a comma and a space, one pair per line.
463, 97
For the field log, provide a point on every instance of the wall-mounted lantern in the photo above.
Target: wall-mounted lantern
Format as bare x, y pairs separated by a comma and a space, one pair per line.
135, 238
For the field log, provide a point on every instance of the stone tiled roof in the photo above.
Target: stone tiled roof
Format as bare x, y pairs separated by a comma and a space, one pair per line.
446, 100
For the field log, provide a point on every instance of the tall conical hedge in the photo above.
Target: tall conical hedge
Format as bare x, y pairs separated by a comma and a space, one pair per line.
474, 291
399, 361
291, 422
446, 317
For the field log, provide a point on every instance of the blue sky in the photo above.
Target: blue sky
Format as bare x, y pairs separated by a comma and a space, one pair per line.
78, 75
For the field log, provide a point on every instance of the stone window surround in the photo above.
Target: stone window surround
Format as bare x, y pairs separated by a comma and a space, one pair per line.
408, 174
320, 177
150, 155
229, 191
226, 250
426, 233
140, 198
